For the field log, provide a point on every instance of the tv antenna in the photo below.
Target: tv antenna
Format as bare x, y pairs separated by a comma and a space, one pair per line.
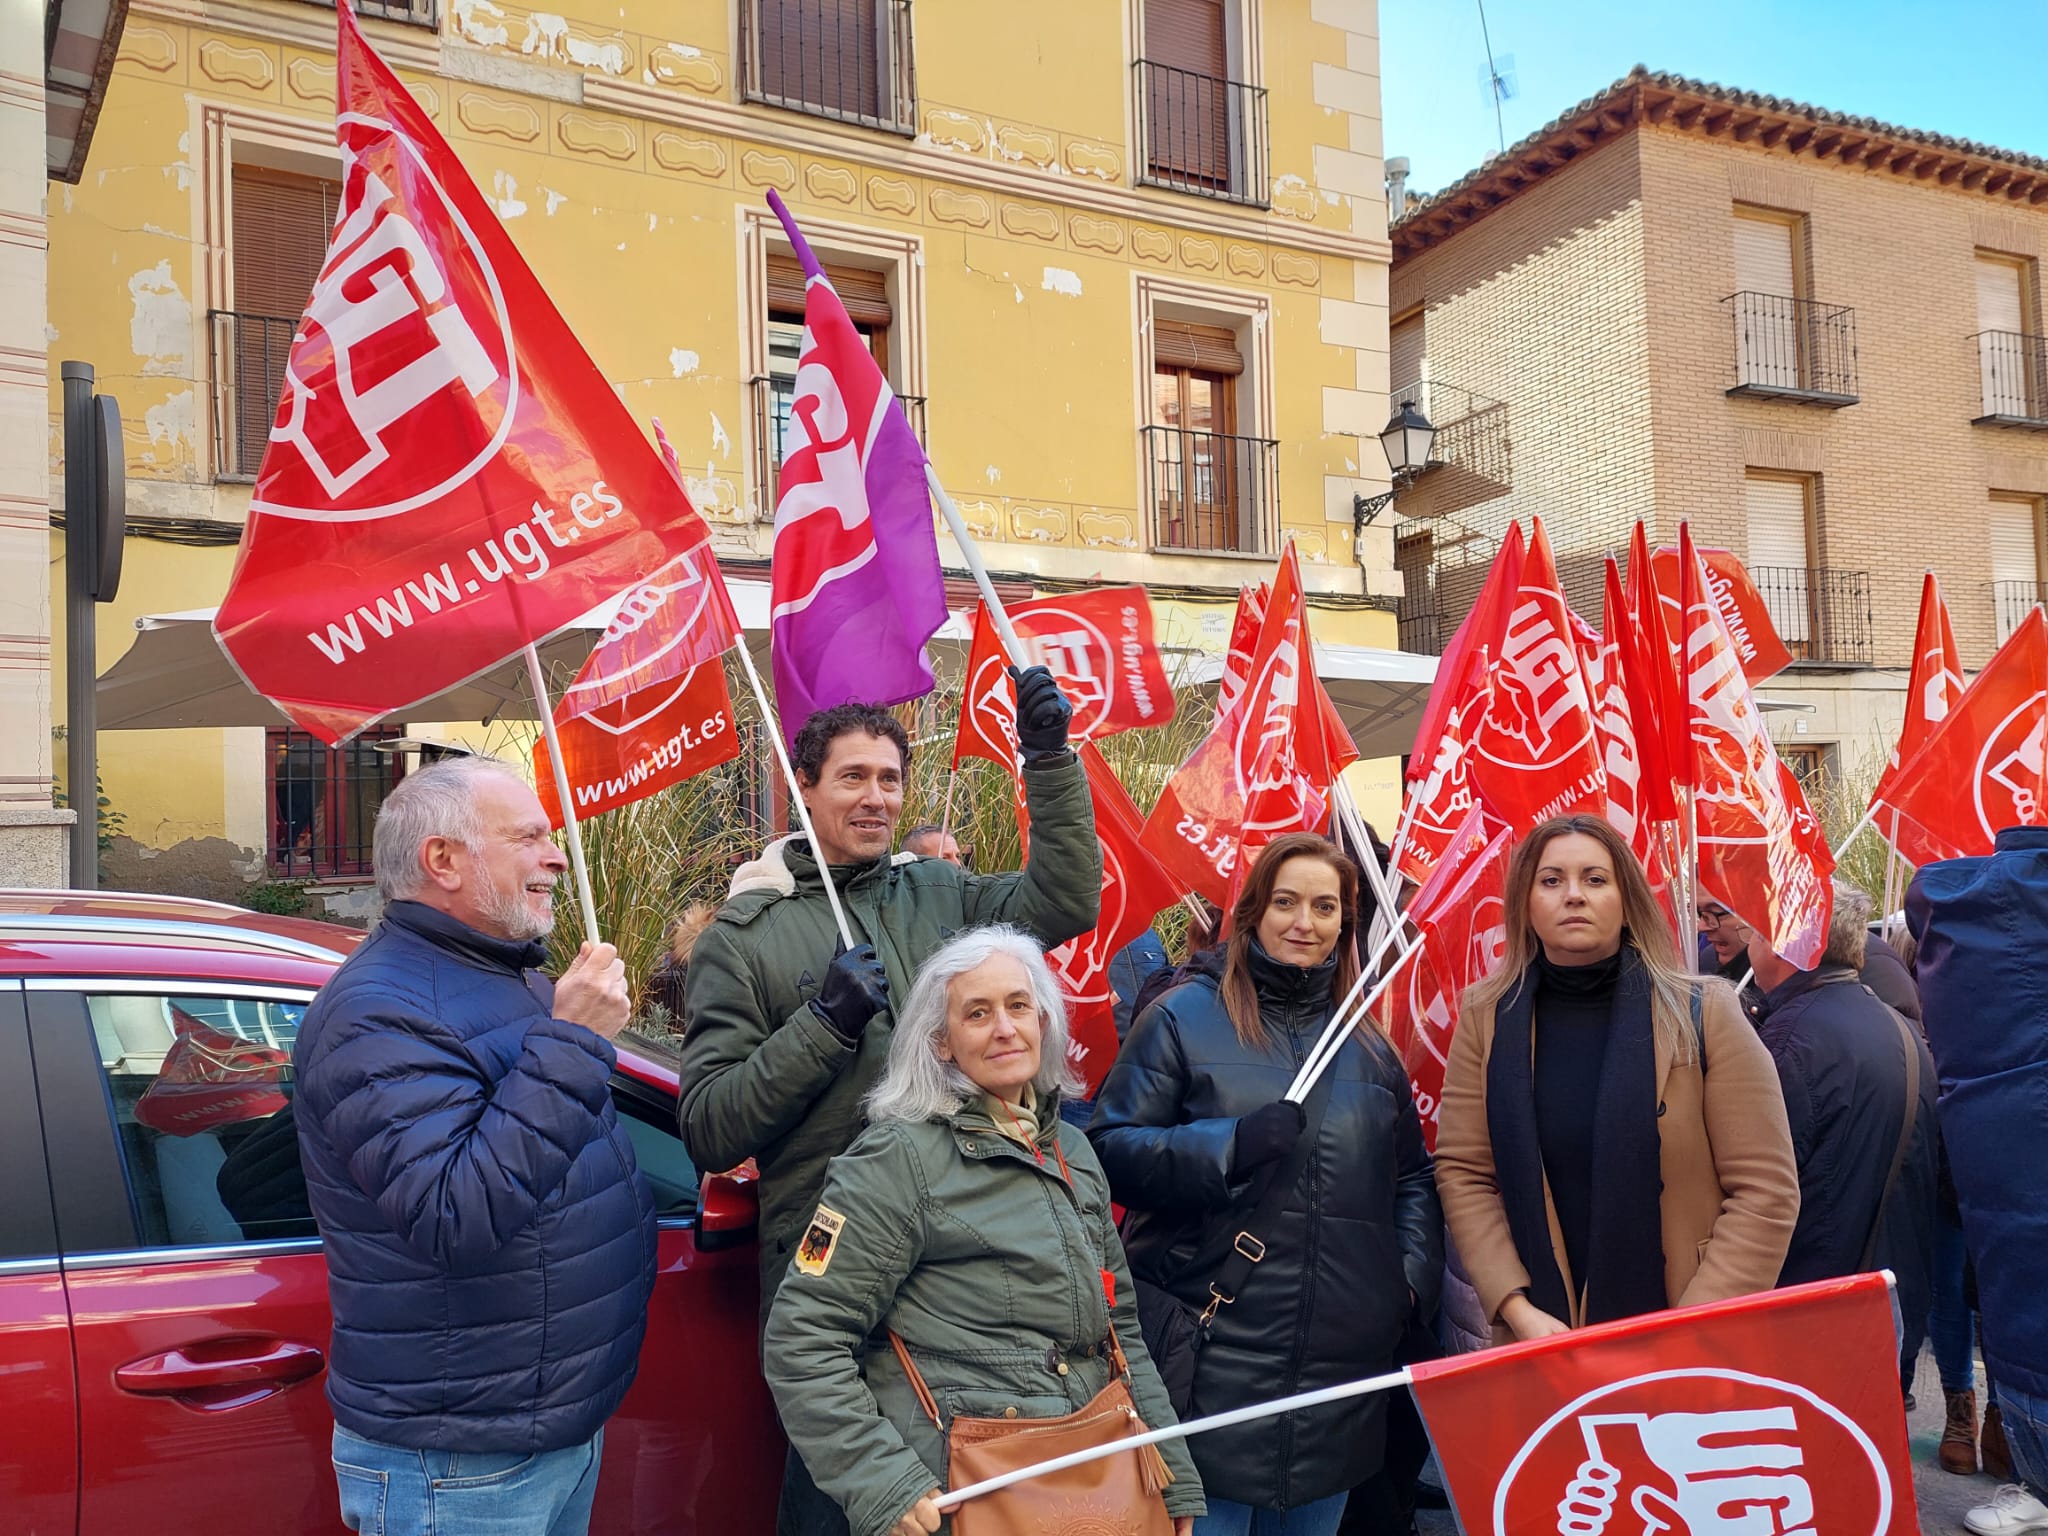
1498, 80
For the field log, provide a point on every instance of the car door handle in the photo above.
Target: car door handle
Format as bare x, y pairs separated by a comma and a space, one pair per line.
219, 1363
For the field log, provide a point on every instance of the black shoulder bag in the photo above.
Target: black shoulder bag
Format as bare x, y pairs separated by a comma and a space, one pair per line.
1175, 1332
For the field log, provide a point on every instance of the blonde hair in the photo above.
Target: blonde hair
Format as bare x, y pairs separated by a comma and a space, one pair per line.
1645, 930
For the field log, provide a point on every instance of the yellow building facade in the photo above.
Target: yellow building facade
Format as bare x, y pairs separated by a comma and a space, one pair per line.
1128, 269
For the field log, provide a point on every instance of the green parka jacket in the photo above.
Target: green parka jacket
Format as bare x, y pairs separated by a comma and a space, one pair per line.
990, 1266
762, 1074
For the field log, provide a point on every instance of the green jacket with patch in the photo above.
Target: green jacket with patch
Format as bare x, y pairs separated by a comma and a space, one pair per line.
762, 1074
989, 1265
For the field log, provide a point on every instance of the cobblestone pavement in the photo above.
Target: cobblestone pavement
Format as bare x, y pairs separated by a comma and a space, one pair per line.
1942, 1496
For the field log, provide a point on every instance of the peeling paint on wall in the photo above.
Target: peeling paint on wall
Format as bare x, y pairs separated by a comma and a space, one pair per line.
506, 191
555, 199
173, 424
719, 441
160, 331
993, 474
484, 33
1060, 280
548, 36
680, 362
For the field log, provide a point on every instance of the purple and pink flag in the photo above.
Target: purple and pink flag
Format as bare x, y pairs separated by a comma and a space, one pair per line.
854, 581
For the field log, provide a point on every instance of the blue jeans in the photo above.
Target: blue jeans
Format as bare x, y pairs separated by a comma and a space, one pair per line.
389, 1490
2026, 1432
1318, 1519
1948, 1318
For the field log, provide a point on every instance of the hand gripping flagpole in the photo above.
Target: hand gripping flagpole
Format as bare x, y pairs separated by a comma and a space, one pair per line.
577, 867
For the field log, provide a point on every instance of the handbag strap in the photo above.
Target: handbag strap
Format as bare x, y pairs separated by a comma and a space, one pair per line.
930, 1404
1247, 1249
1906, 1123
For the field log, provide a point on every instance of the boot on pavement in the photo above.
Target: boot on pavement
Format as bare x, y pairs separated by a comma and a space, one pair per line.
2012, 1512
1959, 1439
1997, 1458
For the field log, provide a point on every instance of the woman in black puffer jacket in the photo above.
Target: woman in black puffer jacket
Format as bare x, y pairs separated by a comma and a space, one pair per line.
1189, 1117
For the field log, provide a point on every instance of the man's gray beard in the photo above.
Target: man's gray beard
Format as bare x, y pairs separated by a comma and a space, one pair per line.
506, 907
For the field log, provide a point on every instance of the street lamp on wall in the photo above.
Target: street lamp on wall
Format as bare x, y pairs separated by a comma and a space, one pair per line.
1406, 440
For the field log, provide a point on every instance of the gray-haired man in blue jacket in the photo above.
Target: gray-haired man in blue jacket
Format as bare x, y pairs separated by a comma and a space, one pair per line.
490, 1241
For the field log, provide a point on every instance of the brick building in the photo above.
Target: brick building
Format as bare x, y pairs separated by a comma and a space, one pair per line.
1817, 337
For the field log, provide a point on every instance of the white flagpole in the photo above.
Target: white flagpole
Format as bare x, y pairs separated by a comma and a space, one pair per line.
563, 798
1368, 856
946, 816
971, 553
1243, 1415
803, 812
1332, 1037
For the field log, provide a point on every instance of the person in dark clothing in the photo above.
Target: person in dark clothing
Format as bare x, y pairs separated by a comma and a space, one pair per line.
1186, 1121
1842, 1063
488, 1235
1885, 974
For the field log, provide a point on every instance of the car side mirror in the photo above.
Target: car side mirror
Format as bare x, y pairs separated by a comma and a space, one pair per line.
729, 1208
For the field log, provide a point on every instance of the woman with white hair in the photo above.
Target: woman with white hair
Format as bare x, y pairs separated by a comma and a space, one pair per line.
962, 1263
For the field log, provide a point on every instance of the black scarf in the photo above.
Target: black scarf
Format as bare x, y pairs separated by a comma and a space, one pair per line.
1625, 1274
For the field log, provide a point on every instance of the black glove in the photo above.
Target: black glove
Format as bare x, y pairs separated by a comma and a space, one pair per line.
856, 989
1043, 713
1266, 1135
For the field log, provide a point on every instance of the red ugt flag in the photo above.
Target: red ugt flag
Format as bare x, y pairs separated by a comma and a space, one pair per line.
1769, 1415
449, 477
1442, 798
1656, 697
1099, 647
1743, 609
1760, 850
652, 738
1932, 691
1460, 914
1615, 721
1535, 753
1982, 768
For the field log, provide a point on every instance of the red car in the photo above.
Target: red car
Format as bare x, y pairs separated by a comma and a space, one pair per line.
163, 1299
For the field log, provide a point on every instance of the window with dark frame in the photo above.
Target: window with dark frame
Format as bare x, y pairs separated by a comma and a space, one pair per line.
865, 294
1208, 482
323, 801
281, 222
1204, 132
849, 60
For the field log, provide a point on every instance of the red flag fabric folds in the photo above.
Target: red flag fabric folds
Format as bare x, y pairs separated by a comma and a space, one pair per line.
1100, 649
1768, 1414
1656, 697
449, 477
1760, 850
1481, 631
1615, 721
1460, 916
640, 745
1981, 768
1442, 797
1535, 754
1933, 689
1743, 609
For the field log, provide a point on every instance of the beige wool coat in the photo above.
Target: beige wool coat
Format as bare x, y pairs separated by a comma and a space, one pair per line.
1730, 1185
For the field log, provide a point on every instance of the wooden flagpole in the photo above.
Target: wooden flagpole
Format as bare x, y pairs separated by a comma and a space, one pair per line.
577, 867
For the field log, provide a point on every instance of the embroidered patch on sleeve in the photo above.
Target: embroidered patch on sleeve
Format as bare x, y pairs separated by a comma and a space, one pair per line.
814, 1253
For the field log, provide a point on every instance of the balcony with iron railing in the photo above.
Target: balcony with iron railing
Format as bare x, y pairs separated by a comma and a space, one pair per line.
847, 60
2010, 601
1212, 493
248, 354
769, 397
1821, 613
1201, 134
410, 13
1441, 579
2012, 370
1794, 349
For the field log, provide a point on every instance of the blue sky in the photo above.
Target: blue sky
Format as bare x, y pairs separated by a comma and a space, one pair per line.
1977, 69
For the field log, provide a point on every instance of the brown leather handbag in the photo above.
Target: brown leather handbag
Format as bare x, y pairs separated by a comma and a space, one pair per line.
1111, 1496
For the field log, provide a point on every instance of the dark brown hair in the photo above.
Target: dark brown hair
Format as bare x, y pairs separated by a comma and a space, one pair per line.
1240, 996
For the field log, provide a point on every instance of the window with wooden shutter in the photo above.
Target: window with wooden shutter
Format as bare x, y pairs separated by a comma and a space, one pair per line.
843, 59
1767, 291
280, 223
1204, 132
2015, 559
865, 294
2007, 359
1404, 365
1779, 563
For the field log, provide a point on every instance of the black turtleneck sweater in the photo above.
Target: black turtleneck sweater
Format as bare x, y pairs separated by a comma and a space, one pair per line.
1574, 1007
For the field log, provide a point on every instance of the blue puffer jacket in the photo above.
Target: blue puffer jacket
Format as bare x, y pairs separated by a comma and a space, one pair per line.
1984, 989
490, 1240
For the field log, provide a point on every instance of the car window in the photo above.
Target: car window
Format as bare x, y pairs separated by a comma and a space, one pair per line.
201, 1089
649, 1121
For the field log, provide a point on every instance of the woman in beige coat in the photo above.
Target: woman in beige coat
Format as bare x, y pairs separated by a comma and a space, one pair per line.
1613, 1140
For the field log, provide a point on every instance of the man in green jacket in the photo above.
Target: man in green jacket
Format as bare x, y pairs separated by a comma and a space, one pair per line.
786, 1030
